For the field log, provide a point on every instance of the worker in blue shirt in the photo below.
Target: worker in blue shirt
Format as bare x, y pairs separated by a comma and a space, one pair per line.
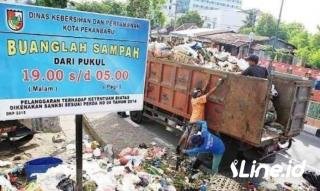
205, 145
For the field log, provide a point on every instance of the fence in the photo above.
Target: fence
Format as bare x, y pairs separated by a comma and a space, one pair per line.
314, 110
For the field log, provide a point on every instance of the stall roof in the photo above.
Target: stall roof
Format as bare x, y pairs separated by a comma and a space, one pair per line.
232, 38
187, 26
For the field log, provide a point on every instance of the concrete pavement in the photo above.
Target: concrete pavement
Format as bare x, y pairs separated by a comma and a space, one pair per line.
312, 130
108, 128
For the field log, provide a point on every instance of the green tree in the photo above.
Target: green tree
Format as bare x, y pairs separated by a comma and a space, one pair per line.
149, 9
251, 18
156, 16
52, 3
139, 8
246, 30
266, 25
190, 17
300, 39
315, 41
294, 28
107, 7
315, 58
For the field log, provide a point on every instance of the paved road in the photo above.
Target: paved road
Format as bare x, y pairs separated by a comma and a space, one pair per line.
305, 148
122, 133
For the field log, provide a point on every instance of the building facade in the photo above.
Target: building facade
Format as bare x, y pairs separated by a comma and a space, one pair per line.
225, 19
170, 8
200, 5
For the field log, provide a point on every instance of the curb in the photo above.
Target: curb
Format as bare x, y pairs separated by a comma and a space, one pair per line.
90, 130
312, 130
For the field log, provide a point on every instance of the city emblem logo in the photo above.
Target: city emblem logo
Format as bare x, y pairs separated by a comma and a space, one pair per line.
15, 19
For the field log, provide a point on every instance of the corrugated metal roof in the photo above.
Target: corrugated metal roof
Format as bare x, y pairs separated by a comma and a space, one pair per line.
198, 32
187, 26
233, 38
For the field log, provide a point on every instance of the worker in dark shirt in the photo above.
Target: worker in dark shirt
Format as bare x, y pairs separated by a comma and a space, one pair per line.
254, 70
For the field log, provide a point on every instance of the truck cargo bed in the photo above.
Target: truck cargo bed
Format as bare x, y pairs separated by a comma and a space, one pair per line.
238, 107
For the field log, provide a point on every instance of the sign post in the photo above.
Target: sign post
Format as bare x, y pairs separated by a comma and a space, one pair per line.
59, 62
79, 122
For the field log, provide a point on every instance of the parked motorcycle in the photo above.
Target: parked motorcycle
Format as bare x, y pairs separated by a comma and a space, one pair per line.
14, 134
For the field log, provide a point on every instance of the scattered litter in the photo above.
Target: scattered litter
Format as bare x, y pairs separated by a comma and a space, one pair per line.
312, 178
16, 158
58, 139
6, 185
4, 164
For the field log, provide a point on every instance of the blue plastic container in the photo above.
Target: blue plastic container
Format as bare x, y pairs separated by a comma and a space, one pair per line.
40, 165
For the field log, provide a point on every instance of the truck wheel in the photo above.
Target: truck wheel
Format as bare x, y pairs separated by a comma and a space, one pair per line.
269, 160
136, 116
255, 155
231, 153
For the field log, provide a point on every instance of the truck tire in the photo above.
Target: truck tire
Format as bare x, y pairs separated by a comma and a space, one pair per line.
269, 160
231, 153
136, 116
255, 155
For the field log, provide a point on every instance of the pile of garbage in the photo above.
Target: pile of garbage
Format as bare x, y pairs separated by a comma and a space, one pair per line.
144, 168
195, 53
132, 169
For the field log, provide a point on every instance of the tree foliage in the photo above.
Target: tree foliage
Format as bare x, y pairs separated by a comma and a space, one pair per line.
266, 25
251, 18
246, 30
190, 17
52, 3
139, 8
107, 7
308, 45
149, 9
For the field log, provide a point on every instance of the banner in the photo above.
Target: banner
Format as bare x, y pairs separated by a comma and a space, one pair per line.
56, 62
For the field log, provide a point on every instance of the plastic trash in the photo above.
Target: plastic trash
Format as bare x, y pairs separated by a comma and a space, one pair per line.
5, 164
6, 185
243, 65
40, 165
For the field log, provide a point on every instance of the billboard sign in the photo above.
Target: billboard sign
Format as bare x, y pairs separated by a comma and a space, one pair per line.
56, 62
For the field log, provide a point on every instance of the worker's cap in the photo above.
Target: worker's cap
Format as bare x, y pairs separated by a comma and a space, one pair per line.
195, 93
253, 58
196, 140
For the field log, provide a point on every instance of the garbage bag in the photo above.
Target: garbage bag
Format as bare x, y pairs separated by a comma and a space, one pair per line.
243, 65
185, 49
6, 185
271, 115
312, 178
67, 184
90, 186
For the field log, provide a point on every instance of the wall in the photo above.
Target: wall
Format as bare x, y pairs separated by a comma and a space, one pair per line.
169, 9
223, 19
199, 5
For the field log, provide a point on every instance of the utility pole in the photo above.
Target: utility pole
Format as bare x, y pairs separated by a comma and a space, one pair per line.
278, 25
175, 14
275, 40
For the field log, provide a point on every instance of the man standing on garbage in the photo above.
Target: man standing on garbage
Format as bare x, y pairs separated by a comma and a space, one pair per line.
205, 145
254, 69
198, 102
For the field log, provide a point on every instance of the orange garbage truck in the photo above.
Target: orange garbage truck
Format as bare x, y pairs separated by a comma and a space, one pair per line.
237, 110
